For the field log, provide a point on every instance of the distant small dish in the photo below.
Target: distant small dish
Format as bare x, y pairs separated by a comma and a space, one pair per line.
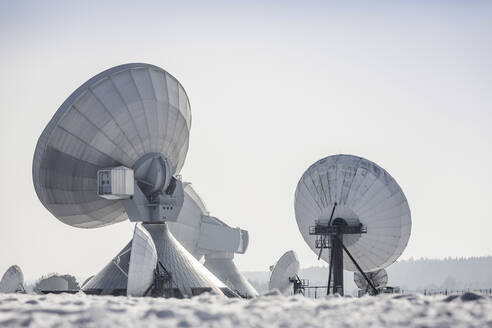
12, 280
284, 272
379, 278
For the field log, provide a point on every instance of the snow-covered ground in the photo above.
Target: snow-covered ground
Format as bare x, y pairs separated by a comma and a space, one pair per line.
469, 310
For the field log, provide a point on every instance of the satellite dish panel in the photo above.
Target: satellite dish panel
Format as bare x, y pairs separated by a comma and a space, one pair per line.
365, 195
195, 199
86, 281
286, 268
379, 278
143, 262
187, 228
112, 120
203, 234
113, 277
12, 280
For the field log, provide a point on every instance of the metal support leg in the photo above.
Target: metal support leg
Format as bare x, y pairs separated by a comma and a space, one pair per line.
330, 270
337, 253
357, 265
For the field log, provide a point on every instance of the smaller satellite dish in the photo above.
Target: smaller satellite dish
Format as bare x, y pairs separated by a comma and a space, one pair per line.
354, 210
284, 271
116, 142
143, 261
379, 278
12, 280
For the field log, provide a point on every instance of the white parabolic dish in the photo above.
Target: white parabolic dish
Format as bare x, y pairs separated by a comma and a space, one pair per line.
364, 191
286, 267
12, 280
112, 120
379, 278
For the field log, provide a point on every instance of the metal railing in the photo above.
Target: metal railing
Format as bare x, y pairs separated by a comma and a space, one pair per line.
320, 291
445, 292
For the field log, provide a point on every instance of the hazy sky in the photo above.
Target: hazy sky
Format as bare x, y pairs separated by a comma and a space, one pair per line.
273, 88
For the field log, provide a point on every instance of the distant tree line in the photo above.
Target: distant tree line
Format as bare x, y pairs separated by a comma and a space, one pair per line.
448, 273
451, 273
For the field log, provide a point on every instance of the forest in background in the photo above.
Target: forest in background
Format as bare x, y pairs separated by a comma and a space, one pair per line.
410, 275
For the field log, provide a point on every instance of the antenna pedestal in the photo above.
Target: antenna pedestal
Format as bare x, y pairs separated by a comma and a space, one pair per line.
148, 190
374, 219
336, 264
299, 285
178, 273
331, 236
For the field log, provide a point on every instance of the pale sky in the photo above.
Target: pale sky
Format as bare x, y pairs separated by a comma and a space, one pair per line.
273, 88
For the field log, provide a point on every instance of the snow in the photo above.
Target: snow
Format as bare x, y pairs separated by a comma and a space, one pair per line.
273, 310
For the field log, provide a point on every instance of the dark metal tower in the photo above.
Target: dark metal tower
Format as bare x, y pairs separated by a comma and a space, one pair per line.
330, 235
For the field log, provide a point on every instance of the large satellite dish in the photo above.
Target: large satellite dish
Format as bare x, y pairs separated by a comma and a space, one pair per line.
284, 273
113, 151
347, 204
379, 278
133, 120
12, 280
